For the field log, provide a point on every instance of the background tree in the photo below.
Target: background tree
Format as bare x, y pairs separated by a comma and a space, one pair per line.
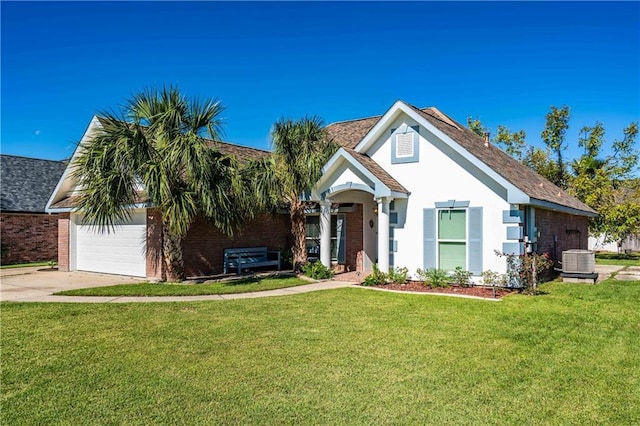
553, 135
300, 149
539, 160
608, 184
153, 151
513, 143
476, 126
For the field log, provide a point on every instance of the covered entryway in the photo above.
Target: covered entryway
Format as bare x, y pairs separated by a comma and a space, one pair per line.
352, 177
113, 251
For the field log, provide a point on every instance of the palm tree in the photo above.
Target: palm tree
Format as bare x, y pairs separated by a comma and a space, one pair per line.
154, 152
300, 149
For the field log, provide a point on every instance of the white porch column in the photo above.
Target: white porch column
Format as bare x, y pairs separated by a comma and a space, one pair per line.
383, 233
325, 233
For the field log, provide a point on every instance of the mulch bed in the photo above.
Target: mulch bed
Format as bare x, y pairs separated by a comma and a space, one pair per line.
414, 286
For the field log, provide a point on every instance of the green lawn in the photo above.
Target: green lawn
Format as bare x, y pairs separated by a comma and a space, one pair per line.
622, 259
620, 262
346, 356
165, 289
25, 265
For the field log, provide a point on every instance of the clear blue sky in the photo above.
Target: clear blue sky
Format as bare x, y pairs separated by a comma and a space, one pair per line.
504, 63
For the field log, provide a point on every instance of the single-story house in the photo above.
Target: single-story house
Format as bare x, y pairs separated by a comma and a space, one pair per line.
433, 194
130, 249
28, 234
411, 188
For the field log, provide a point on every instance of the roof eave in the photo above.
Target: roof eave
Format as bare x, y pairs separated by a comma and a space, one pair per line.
380, 190
55, 196
548, 205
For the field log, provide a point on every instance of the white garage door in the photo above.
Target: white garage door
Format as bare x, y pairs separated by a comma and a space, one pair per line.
115, 252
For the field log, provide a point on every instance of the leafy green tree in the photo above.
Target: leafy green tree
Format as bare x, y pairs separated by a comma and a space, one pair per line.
539, 160
553, 135
623, 219
476, 126
625, 154
300, 149
608, 184
513, 143
154, 151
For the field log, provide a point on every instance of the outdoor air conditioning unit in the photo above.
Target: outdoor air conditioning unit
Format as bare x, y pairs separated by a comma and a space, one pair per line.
578, 262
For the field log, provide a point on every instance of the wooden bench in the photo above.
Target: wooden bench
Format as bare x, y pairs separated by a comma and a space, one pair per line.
247, 258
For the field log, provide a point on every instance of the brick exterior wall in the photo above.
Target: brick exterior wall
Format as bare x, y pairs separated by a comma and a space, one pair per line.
63, 241
354, 240
571, 231
203, 247
28, 237
155, 265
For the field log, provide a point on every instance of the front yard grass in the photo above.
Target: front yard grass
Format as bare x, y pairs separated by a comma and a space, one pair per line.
246, 285
26, 265
618, 262
346, 356
632, 259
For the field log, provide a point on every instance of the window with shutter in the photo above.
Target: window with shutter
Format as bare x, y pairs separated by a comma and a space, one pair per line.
453, 238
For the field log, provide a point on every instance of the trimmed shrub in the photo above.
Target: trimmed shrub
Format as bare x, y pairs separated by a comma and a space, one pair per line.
317, 271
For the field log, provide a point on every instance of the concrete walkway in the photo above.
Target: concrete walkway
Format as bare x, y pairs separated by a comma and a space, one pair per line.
37, 284
605, 271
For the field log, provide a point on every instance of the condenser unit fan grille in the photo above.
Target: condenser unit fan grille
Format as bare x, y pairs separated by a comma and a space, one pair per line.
578, 262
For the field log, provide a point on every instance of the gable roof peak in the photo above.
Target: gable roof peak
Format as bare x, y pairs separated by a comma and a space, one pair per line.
353, 134
444, 117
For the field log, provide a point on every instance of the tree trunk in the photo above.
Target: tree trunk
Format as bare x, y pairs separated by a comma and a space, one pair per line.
299, 249
172, 253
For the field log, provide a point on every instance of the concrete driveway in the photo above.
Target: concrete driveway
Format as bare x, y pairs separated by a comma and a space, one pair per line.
28, 283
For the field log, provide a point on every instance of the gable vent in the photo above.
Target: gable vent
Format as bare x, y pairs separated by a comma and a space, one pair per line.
404, 145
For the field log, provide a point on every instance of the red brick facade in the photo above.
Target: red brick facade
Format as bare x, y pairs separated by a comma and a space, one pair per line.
63, 241
203, 247
28, 237
560, 231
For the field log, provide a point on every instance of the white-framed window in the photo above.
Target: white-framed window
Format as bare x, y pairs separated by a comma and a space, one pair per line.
338, 237
452, 239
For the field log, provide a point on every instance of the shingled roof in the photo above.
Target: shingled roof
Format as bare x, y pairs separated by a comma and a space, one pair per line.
27, 183
242, 153
377, 171
349, 133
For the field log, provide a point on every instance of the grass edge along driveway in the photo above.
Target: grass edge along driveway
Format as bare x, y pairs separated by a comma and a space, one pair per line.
343, 356
246, 285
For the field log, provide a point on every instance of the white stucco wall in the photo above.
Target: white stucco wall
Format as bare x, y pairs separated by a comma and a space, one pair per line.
437, 177
345, 174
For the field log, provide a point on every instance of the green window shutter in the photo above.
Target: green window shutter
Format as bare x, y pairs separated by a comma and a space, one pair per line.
429, 234
475, 240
